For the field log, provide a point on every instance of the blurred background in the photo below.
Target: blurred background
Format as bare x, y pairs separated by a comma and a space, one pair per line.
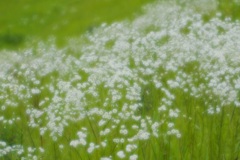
22, 21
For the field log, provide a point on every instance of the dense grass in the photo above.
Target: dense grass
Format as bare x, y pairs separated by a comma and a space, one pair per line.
163, 85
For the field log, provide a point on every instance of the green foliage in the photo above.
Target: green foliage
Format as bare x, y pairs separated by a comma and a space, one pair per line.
11, 40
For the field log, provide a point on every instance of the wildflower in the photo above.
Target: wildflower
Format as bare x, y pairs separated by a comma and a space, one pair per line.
35, 91
2, 143
123, 130
130, 147
74, 143
173, 113
103, 144
143, 135
210, 110
105, 132
133, 157
121, 154
41, 150
162, 108
170, 125
91, 148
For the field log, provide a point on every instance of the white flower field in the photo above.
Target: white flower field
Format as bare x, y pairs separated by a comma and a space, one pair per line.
164, 86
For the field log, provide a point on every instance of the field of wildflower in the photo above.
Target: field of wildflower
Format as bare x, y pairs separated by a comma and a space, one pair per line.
163, 86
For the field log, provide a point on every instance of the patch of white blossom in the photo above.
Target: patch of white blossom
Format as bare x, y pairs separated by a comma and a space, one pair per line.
121, 83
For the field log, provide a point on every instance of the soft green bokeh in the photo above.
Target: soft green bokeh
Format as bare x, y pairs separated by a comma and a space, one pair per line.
27, 20
24, 20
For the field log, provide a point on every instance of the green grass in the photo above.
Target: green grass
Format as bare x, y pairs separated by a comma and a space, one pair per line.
24, 20
230, 8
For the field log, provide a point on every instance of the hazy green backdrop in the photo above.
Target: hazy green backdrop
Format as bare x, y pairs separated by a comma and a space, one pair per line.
26, 20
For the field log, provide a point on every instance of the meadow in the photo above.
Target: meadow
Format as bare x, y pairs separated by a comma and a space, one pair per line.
24, 21
161, 85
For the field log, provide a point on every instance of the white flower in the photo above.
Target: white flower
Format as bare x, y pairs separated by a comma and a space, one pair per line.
105, 158
81, 134
173, 113
103, 144
92, 147
2, 143
41, 150
101, 122
170, 125
74, 143
35, 91
162, 108
82, 141
121, 154
143, 135
123, 130
130, 147
210, 110
105, 132
133, 157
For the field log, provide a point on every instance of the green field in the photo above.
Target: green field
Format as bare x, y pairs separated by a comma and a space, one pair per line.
25, 20
116, 80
